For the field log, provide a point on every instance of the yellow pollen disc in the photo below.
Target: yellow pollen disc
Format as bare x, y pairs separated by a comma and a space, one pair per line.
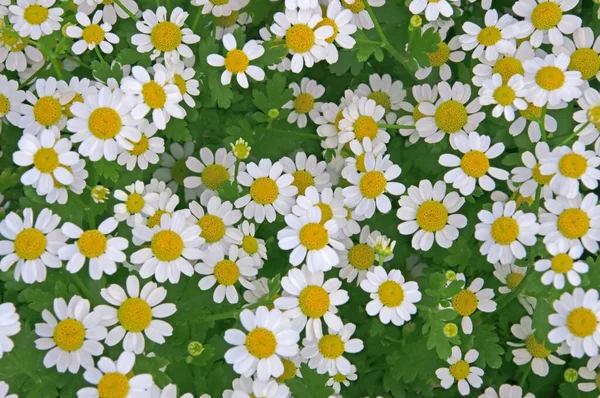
135, 203
249, 244
134, 314
546, 15
179, 171
154, 95
113, 385
361, 256
47, 111
167, 245
440, 56
593, 115
213, 228
30, 244
313, 236
460, 370
382, 99
355, 7
582, 322
372, 184
140, 147
166, 36
92, 243
99, 192
69, 335
348, 213
261, 343
365, 126
302, 180
489, 36
513, 279
289, 371
154, 219
505, 230
338, 119
537, 350
67, 107
417, 115
521, 199
339, 378
475, 164
219, 2
326, 212
360, 163
573, 223
35, 14
586, 61
214, 175
562, 263
507, 67
465, 302
540, 178
264, 190
304, 103
331, 346
236, 61
93, 34
45, 160
104, 123
329, 22
227, 21
572, 165
314, 301
550, 77
532, 112
432, 216
13, 41
504, 95
107, 2
451, 116
390, 294
180, 82
299, 38
4, 105
227, 272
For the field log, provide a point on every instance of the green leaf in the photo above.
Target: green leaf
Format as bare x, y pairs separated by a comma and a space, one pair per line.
420, 44
177, 130
539, 321
413, 360
310, 385
438, 340
102, 71
485, 340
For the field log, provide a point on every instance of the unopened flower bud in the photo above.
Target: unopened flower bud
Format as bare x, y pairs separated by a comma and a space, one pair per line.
195, 348
571, 375
241, 149
273, 113
416, 21
450, 329
450, 276
99, 193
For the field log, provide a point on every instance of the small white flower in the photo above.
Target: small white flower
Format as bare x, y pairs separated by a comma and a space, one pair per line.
304, 102
439, 58
136, 206
545, 20
432, 9
497, 37
471, 299
252, 246
547, 80
359, 258
583, 52
145, 151
589, 372
307, 172
93, 34
530, 176
35, 18
563, 264
589, 114
340, 20
214, 170
237, 62
11, 100
506, 391
229, 23
16, 54
506, 65
45, 115
421, 93
221, 8
174, 170
11, 325
356, 164
329, 202
360, 120
507, 98
217, 224
510, 275
336, 381
182, 75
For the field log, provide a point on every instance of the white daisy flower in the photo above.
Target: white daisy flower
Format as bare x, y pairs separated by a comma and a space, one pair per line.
16, 53
270, 191
421, 93
229, 23
439, 59
285, 64
461, 371
103, 252
329, 125
340, 20
164, 203
110, 11
545, 20
530, 118
497, 37
506, 391
92, 34
220, 8
547, 80
307, 298
432, 8
135, 312
252, 246
449, 115
385, 92
172, 244
359, 258
507, 98
360, 120
174, 170
246, 387
136, 206
72, 339
11, 325
474, 165
145, 151
35, 18
356, 163
336, 381
530, 176
11, 100
217, 224
182, 76
563, 264
260, 291
60, 193
571, 222
427, 212
471, 299
214, 170
589, 372
270, 336
304, 103
307, 172
510, 275
113, 377
583, 51
33, 247
80, 89
506, 65
360, 16
576, 322
588, 118
45, 115
237, 62
329, 202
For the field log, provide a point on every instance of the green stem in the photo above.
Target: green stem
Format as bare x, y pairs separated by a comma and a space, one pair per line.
232, 314
91, 220
385, 43
56, 67
197, 19
169, 6
542, 123
97, 49
574, 134
79, 62
127, 11
524, 378
82, 288
367, 41
235, 175
298, 134
395, 126
32, 77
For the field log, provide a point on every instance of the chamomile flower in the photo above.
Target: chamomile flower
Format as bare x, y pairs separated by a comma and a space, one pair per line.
589, 372
356, 163
45, 115
165, 203
161, 34
385, 92
461, 371
35, 18
427, 212
530, 176
79, 89
11, 325
547, 80
270, 336
115, 378
588, 118
11, 99
340, 20
251, 245
497, 37
576, 322
432, 8
571, 222
445, 52
326, 353
336, 381
507, 98
100, 193
545, 20
172, 244
217, 224
531, 118
60, 193
214, 170
583, 51
174, 170
229, 23
135, 312
474, 165
562, 264
510, 275
102, 251
506, 391
136, 204
260, 291
360, 15
304, 103
33, 247
73, 338
237, 62
359, 258
182, 75
246, 387
15, 52
145, 151
471, 299
307, 172
91, 34
421, 93
110, 11
329, 202
506, 65
307, 298
360, 120
220, 8
270, 191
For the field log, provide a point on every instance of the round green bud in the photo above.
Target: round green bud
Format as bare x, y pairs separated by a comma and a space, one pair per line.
571, 375
450, 276
416, 21
195, 348
450, 330
273, 113
189, 359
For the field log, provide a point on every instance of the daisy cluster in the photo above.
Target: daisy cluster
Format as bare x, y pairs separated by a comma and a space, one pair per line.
405, 201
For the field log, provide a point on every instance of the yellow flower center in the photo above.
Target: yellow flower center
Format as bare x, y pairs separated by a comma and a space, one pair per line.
299, 38
45, 160
35, 14
264, 190
331, 346
314, 236
304, 103
546, 15
475, 164
360, 163
465, 302
92, 243
513, 279
562, 263
167, 245
30, 244
460, 370
440, 56
180, 82
593, 115
261, 343
104, 123
504, 95
489, 36
550, 77
93, 34
361, 256
505, 230
326, 212
432, 216
537, 350
69, 335
213, 228
134, 314
227, 272
135, 203
302, 180
540, 178
451, 116
289, 371
507, 67
586, 61
329, 22
532, 112
99, 193
140, 147
13, 41
154, 95
365, 126
227, 21
4, 105
219, 2
582, 322
47, 111
113, 385
372, 184
249, 244
166, 36
417, 115
179, 171
339, 378
338, 119
236, 61
573, 223
355, 7
154, 219
314, 301
390, 294
572, 165
382, 99
67, 107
